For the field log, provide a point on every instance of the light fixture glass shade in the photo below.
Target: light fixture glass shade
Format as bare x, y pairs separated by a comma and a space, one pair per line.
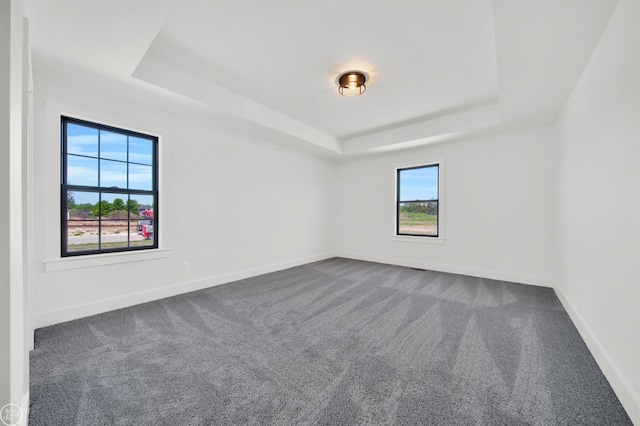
352, 83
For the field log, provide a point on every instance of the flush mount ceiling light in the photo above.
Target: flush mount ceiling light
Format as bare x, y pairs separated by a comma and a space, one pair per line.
351, 83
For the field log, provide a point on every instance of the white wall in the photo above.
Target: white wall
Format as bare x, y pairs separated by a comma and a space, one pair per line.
14, 309
598, 276
5, 9
230, 207
497, 201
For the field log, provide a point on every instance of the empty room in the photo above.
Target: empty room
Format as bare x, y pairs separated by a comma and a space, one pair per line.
320, 212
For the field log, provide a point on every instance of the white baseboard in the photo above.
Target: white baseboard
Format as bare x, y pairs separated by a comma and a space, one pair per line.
79, 311
454, 269
625, 393
25, 406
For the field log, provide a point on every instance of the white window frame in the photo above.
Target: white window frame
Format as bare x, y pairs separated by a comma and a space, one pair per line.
53, 261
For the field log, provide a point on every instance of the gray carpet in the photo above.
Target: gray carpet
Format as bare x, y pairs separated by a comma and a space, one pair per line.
338, 342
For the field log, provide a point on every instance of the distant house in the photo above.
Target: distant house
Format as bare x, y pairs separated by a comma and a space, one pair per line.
142, 209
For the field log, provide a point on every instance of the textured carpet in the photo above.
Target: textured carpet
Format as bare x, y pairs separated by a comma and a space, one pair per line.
338, 342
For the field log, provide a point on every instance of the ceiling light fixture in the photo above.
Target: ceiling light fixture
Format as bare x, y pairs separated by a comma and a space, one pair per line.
351, 83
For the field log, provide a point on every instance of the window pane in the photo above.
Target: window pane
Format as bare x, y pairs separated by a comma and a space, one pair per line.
113, 146
82, 140
82, 227
418, 218
82, 171
140, 177
419, 184
132, 211
114, 233
145, 236
113, 174
114, 225
145, 226
115, 205
140, 150
145, 202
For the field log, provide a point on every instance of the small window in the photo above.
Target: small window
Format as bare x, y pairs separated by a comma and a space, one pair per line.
109, 189
417, 201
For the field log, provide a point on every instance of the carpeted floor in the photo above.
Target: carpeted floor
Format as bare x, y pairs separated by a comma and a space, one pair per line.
338, 342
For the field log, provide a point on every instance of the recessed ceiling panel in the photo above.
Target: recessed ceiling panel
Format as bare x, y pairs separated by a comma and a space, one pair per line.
438, 69
421, 57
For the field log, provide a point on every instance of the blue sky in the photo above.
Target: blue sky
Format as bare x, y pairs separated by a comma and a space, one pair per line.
82, 160
419, 184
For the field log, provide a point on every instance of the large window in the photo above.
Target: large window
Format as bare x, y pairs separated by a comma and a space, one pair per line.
417, 201
109, 189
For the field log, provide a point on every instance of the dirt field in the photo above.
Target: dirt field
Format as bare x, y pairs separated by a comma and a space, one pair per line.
418, 229
83, 235
90, 227
116, 232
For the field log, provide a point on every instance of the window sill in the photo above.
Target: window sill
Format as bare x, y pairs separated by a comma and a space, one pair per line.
418, 240
92, 260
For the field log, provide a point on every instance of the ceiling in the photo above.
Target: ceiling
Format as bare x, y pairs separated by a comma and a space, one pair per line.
438, 70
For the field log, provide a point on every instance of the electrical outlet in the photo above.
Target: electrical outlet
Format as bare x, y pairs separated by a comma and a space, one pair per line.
185, 266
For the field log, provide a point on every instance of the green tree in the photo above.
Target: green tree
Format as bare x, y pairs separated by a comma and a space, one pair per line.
432, 209
132, 206
118, 205
102, 208
71, 202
